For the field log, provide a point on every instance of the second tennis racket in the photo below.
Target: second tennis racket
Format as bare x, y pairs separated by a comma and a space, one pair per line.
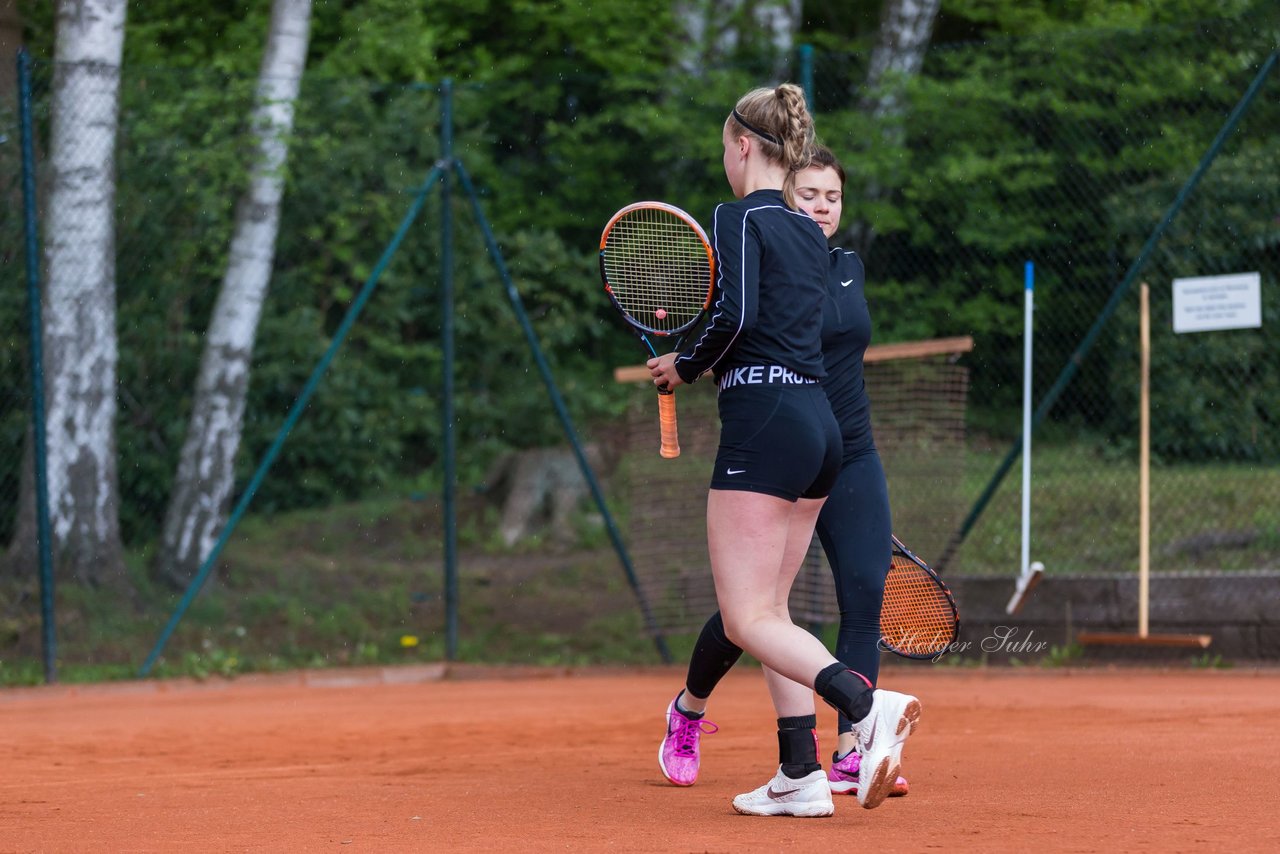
919, 618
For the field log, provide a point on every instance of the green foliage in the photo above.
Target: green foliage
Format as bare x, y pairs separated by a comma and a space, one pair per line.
1064, 655
1210, 661
1030, 150
1206, 517
1063, 145
15, 321
181, 146
1227, 227
352, 584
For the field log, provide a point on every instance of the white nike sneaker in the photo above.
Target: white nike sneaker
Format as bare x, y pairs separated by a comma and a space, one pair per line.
808, 797
881, 736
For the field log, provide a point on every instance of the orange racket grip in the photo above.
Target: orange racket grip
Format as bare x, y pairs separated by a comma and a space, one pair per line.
667, 422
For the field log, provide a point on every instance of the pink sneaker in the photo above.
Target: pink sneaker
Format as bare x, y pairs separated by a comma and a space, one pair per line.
843, 777
678, 756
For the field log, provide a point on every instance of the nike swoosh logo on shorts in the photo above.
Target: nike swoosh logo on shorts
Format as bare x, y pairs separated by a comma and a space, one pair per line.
732, 471
848, 283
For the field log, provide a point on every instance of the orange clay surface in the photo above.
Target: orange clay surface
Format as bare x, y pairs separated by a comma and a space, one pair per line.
417, 759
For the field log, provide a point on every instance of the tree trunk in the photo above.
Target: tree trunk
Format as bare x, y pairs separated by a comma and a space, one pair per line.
906, 26
779, 20
714, 30
80, 293
206, 470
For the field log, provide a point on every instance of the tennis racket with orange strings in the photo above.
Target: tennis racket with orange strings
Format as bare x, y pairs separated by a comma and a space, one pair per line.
658, 270
919, 618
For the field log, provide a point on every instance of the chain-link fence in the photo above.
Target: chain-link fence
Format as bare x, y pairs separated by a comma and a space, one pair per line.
1066, 152
15, 373
1076, 172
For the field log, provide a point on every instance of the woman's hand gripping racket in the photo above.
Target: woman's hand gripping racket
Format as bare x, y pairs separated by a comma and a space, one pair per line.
658, 270
919, 618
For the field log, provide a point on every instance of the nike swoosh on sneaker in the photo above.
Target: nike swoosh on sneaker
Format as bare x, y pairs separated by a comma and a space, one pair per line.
780, 796
871, 736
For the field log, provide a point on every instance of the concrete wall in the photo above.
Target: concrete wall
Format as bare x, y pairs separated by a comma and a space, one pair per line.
1240, 611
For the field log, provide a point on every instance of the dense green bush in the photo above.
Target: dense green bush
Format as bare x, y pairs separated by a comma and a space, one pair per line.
1214, 395
1063, 145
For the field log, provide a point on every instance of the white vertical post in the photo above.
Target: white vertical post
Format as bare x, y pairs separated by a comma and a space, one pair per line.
1025, 566
1028, 573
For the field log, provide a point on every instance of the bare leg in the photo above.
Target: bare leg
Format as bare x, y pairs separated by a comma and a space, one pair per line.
790, 698
750, 537
690, 703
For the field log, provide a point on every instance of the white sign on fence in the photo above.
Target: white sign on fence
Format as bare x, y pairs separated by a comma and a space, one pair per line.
1206, 303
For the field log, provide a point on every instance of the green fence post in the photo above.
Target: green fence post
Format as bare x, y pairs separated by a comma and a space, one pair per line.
513, 296
806, 73
44, 545
447, 406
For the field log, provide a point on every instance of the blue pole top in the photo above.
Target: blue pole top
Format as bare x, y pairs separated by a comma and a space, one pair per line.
1031, 276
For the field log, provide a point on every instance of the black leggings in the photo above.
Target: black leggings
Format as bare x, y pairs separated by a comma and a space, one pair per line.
854, 528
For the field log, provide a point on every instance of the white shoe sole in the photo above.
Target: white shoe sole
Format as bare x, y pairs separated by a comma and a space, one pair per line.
798, 809
809, 799
887, 763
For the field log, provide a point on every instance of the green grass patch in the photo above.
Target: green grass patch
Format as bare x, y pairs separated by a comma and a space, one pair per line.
1085, 514
363, 583
356, 584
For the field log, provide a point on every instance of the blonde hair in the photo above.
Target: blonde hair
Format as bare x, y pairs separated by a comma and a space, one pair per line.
780, 118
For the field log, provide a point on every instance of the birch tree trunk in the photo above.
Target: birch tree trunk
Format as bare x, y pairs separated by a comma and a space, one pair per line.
906, 27
80, 294
203, 485
779, 20
713, 30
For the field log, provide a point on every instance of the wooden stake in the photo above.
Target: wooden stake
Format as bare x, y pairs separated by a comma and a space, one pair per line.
1121, 639
1144, 466
1144, 638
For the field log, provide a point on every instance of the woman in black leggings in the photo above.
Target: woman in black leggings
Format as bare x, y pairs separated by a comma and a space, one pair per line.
853, 525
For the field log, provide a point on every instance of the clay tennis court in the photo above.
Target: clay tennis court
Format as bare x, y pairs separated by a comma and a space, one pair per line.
416, 759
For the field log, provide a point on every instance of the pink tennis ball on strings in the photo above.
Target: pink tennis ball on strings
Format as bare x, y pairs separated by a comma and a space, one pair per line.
660, 314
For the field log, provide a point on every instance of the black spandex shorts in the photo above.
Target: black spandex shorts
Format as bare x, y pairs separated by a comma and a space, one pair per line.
779, 439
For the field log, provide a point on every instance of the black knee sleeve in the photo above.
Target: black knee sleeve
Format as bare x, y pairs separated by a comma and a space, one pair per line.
713, 656
845, 691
